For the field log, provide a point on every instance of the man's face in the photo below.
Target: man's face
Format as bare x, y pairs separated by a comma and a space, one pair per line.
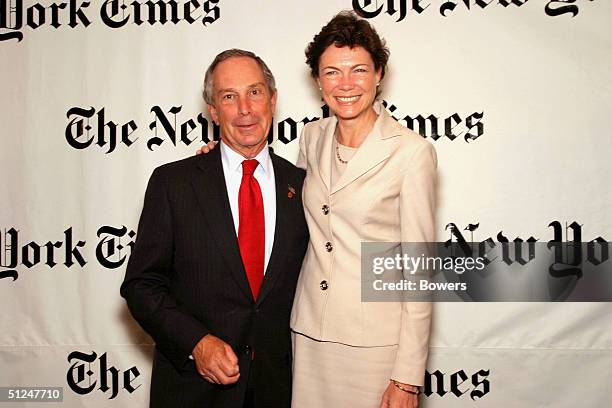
242, 105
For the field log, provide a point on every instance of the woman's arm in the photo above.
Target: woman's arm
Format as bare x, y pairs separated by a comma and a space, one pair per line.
417, 223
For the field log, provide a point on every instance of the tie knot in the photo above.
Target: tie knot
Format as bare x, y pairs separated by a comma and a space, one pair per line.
249, 166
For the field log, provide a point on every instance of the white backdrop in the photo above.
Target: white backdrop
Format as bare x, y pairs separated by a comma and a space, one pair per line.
540, 83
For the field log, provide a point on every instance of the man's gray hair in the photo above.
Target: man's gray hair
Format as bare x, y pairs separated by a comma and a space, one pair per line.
234, 52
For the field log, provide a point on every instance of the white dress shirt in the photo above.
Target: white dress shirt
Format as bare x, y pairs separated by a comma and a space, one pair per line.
264, 174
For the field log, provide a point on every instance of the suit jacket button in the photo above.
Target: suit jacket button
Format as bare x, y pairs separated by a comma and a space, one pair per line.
323, 285
247, 350
325, 209
329, 247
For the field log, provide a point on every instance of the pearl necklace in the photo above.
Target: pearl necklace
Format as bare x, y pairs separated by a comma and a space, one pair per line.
338, 154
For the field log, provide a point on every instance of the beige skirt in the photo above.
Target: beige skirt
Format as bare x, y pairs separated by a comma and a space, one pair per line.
334, 375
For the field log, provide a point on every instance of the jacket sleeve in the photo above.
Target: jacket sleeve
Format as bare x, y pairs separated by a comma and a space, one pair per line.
148, 278
417, 218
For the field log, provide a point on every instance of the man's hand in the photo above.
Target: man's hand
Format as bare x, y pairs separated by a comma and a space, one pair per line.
396, 398
207, 147
216, 361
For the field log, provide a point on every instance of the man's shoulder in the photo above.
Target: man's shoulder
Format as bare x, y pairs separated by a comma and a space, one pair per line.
284, 165
183, 166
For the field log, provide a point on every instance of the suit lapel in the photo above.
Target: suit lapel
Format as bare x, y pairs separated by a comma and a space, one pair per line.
374, 149
279, 248
324, 154
211, 193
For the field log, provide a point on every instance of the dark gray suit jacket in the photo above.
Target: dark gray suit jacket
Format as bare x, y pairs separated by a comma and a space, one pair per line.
185, 279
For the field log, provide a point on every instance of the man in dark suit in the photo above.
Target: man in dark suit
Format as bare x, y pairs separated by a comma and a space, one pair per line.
220, 244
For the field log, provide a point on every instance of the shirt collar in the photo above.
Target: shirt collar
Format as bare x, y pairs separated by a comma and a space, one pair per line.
234, 159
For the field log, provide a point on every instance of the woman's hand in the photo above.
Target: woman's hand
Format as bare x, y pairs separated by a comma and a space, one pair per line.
207, 147
397, 398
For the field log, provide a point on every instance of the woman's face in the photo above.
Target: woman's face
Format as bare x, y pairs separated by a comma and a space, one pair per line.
348, 79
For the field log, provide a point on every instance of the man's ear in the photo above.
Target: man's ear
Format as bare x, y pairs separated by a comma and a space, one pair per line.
273, 102
213, 113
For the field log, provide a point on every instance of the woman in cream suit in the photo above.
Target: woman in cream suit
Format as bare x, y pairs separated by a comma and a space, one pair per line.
368, 179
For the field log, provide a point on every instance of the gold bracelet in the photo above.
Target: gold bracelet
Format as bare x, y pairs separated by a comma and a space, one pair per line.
398, 385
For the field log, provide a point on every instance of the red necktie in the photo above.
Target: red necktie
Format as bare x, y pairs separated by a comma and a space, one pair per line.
251, 229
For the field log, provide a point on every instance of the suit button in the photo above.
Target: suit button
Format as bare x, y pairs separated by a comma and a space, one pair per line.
329, 247
325, 209
247, 350
323, 285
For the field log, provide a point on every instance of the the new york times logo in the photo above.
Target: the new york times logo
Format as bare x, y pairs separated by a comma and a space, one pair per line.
401, 8
437, 383
89, 371
568, 259
111, 250
15, 15
115, 243
91, 128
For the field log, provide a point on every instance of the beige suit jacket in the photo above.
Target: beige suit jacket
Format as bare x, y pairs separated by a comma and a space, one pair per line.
386, 193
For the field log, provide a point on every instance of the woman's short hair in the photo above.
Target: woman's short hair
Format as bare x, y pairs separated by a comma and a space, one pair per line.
347, 29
